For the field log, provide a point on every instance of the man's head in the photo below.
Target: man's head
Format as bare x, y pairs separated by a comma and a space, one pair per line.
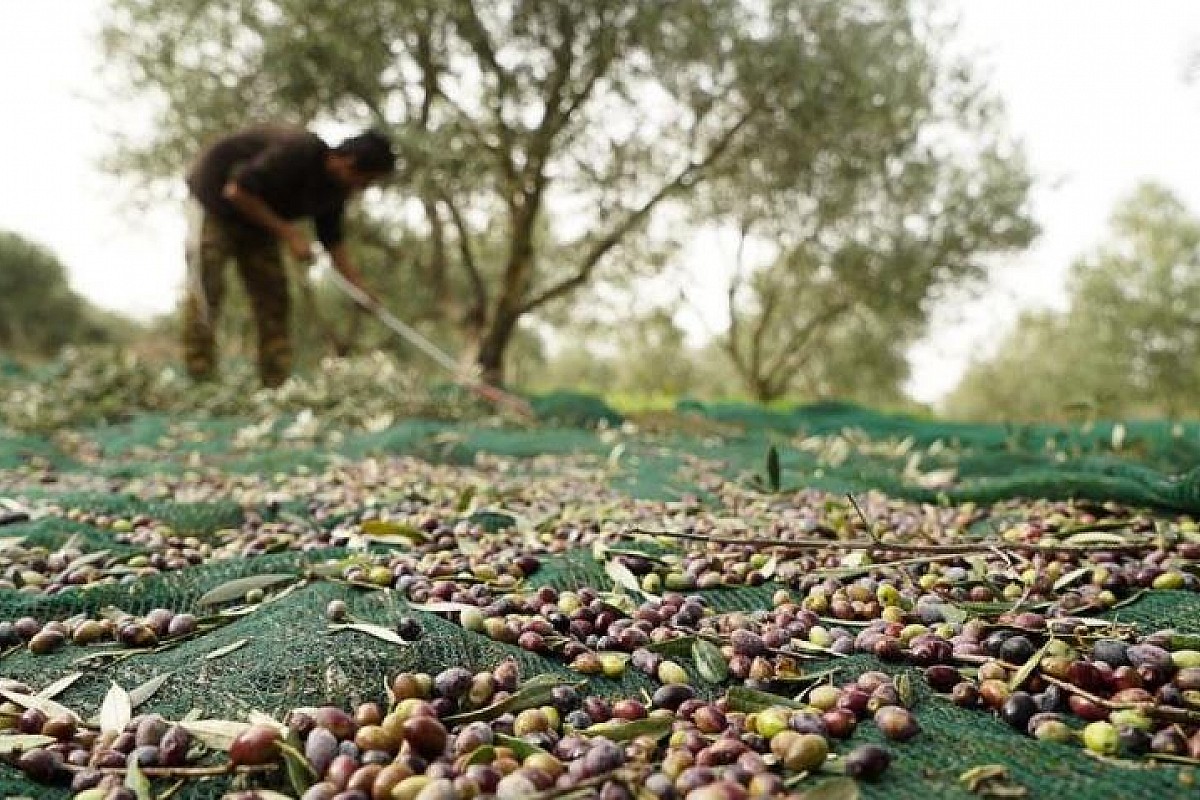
361, 160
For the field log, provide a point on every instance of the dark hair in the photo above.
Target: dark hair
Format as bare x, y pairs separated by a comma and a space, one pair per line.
371, 151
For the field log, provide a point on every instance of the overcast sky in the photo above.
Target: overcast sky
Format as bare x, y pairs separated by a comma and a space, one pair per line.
1095, 88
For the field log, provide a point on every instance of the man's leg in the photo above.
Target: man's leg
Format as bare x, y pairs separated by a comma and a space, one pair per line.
263, 273
207, 253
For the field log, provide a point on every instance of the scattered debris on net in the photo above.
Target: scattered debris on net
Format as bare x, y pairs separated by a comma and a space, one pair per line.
89, 387
1015, 610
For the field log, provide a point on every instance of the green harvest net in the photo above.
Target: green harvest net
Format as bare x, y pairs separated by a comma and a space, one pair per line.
283, 656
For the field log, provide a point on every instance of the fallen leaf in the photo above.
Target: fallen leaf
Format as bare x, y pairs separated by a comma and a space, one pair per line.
116, 710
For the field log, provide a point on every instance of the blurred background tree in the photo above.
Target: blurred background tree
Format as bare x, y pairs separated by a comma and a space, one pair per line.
551, 147
39, 312
1129, 342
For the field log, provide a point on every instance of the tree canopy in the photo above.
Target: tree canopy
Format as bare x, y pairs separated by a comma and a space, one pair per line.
39, 312
1129, 342
548, 146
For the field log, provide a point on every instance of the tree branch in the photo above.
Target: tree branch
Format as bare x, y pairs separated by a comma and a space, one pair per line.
789, 359
733, 345
468, 257
686, 177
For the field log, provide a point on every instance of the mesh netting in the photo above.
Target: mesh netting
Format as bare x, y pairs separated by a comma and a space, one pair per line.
287, 658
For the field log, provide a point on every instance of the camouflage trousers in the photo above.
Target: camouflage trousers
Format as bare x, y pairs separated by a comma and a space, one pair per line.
212, 244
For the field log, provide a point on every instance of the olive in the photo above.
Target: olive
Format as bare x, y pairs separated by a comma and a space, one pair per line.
1169, 741
747, 643
375, 737
338, 722
87, 632
1102, 738
173, 747
867, 762
255, 745
896, 723
336, 610
322, 791
320, 749
409, 629
1017, 649
1017, 709
32, 720
46, 641
941, 677
453, 682
1111, 651
40, 765
181, 625
150, 731
1133, 741
145, 756
425, 735
62, 728
799, 752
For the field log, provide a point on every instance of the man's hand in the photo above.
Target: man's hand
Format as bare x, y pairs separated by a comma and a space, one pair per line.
297, 244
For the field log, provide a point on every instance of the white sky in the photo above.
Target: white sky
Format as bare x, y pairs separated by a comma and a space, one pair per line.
1095, 88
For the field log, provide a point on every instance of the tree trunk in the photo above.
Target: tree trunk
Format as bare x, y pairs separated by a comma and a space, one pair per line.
490, 358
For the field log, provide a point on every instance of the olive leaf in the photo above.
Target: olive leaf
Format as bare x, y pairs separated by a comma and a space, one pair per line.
710, 662
237, 589
59, 686
952, 613
904, 689
84, 560
622, 731
440, 606
378, 631
535, 692
137, 782
259, 718
768, 569
494, 521
215, 734
1095, 537
484, 754
1184, 641
747, 700
1021, 675
834, 789
521, 748
45, 705
393, 532
11, 744
976, 776
300, 772
1071, 577
621, 576
226, 650
115, 711
773, 470
465, 499
680, 647
468, 546
141, 694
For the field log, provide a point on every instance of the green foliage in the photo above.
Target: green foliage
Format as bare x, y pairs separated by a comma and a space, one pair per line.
894, 186
39, 313
1130, 341
542, 141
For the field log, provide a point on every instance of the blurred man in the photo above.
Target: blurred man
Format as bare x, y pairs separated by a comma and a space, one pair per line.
250, 189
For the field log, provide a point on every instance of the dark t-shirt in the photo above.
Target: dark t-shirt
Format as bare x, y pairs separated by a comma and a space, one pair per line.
283, 167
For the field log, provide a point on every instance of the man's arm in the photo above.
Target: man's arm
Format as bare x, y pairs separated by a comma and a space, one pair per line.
257, 211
